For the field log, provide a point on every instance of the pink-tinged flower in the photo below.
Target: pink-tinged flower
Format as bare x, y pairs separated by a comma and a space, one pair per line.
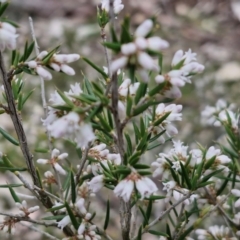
117, 6
56, 156
128, 48
147, 62
96, 183
64, 222
145, 186
157, 43
7, 36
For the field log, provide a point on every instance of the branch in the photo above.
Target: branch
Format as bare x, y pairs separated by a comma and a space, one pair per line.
27, 219
15, 116
84, 159
39, 231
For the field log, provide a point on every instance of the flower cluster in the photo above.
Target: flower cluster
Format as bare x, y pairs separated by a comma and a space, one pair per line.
222, 113
55, 158
24, 210
58, 62
174, 114
7, 36
184, 65
136, 52
86, 230
214, 232
69, 125
126, 88
100, 154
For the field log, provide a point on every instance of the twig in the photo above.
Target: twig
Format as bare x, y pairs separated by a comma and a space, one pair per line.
103, 233
163, 214
83, 161
48, 193
43, 95
27, 219
40, 231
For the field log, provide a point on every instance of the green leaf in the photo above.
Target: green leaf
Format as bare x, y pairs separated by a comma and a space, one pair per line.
125, 35
56, 217
14, 195
224, 184
210, 162
158, 233
65, 98
41, 150
105, 76
73, 188
3, 7
39, 178
142, 89
204, 179
139, 236
107, 216
72, 217
158, 121
9, 137
113, 34
129, 106
55, 208
25, 97
11, 185
47, 58
116, 47
149, 209
67, 181
185, 176
129, 144
145, 222
157, 89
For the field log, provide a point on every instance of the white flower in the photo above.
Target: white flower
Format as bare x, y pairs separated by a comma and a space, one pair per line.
55, 157
124, 189
7, 36
64, 222
117, 6
96, 183
196, 157
144, 28
144, 185
127, 87
221, 159
135, 52
81, 207
24, 210
160, 167
81, 228
169, 186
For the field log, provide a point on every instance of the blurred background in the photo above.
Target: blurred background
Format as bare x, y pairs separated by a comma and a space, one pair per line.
211, 28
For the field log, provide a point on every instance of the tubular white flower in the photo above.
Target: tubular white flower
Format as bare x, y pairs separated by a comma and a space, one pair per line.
177, 58
43, 73
7, 36
159, 79
168, 186
81, 228
146, 187
157, 44
124, 189
144, 28
147, 62
128, 48
235, 192
81, 207
64, 222
68, 70
141, 43
60, 169
42, 161
96, 183
118, 64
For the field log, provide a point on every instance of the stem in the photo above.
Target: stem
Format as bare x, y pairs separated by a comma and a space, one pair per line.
27, 219
39, 231
15, 116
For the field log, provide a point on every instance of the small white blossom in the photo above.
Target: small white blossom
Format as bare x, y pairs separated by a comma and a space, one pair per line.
55, 157
145, 186
96, 183
7, 36
117, 6
64, 222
